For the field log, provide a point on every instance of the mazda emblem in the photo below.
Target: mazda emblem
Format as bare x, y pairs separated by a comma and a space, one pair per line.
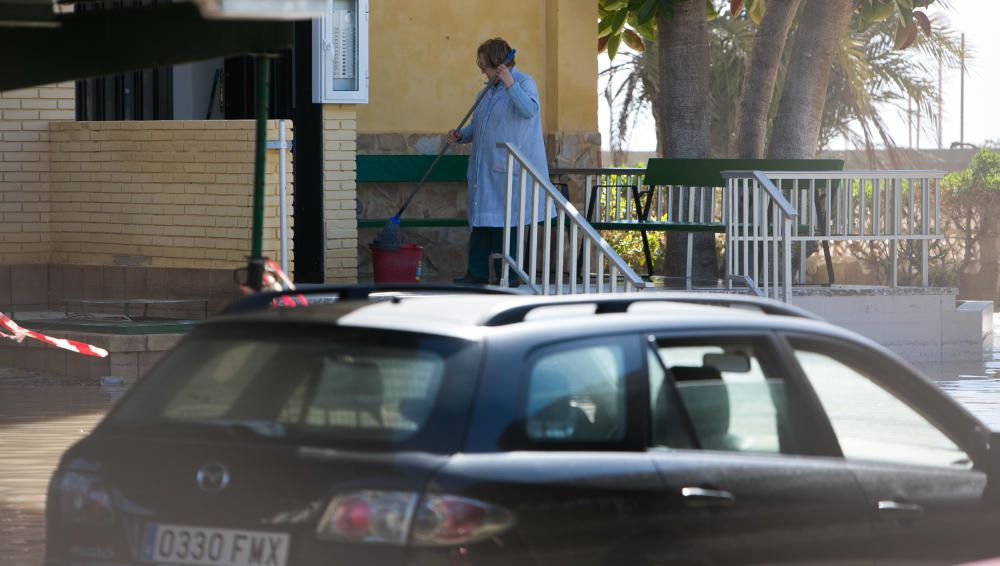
213, 477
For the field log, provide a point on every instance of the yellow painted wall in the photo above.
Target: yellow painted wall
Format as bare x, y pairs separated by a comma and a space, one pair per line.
422, 60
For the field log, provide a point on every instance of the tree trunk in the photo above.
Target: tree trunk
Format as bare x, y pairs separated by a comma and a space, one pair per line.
685, 110
760, 78
796, 126
795, 134
683, 59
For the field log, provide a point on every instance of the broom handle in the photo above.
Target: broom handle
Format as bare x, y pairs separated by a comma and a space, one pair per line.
441, 153
427, 173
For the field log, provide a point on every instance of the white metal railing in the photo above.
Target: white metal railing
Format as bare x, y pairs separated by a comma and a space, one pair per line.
890, 206
666, 203
587, 271
758, 234
620, 199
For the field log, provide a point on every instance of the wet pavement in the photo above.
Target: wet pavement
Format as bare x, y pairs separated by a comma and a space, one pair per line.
39, 418
42, 416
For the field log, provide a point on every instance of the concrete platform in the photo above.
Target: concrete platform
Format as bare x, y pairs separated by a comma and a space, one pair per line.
921, 324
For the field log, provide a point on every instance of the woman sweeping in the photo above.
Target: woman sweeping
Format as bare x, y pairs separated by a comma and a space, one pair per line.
509, 112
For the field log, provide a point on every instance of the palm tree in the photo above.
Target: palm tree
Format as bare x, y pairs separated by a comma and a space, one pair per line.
760, 77
868, 78
871, 78
866, 74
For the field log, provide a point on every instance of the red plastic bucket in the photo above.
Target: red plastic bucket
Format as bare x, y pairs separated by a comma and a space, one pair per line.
396, 266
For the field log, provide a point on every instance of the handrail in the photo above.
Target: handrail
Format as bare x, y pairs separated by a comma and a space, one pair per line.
854, 173
758, 235
767, 185
748, 283
545, 199
894, 207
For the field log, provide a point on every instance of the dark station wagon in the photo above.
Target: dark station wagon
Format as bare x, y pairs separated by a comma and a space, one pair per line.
462, 428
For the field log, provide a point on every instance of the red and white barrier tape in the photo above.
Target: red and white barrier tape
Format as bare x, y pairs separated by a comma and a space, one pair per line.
276, 280
19, 334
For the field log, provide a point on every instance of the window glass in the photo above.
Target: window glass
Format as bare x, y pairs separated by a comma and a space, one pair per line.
668, 424
218, 382
577, 395
379, 390
342, 387
870, 422
731, 403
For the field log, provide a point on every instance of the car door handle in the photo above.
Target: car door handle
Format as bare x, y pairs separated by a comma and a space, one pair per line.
899, 508
702, 497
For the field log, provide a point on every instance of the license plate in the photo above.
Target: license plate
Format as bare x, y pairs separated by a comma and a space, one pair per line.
178, 544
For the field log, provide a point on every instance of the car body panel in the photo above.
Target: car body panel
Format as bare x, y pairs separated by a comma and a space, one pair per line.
615, 500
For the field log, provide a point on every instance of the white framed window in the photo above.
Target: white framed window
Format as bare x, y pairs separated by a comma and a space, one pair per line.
340, 53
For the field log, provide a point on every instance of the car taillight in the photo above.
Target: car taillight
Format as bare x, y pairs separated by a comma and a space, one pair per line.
83, 498
368, 516
395, 517
444, 520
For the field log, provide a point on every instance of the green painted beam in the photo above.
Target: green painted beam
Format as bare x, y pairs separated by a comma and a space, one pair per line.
410, 168
415, 222
708, 172
98, 43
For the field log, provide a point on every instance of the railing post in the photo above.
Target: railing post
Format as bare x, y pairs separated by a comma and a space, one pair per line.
533, 240
521, 224
726, 207
786, 291
504, 272
925, 224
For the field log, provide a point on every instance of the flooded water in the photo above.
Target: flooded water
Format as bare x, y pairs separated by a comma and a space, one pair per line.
41, 417
975, 383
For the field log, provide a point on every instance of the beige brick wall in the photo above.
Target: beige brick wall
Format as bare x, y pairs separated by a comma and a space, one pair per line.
159, 193
25, 213
340, 194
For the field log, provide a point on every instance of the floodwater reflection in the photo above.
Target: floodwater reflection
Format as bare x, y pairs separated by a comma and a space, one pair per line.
39, 419
978, 390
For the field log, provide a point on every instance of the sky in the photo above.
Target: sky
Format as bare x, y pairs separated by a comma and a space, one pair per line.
978, 20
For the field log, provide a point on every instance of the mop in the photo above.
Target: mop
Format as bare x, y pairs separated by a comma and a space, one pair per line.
388, 238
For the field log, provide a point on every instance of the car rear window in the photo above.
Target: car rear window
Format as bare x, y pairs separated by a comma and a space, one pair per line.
356, 386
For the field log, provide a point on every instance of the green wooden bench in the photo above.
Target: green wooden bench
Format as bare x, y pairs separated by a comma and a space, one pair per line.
409, 169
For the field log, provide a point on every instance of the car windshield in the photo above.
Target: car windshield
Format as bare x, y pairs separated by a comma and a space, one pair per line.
282, 382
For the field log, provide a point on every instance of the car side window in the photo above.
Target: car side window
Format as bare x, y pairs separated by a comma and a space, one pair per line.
577, 395
669, 425
870, 422
733, 404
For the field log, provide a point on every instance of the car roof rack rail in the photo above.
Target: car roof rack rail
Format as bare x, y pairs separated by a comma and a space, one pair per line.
513, 314
321, 293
